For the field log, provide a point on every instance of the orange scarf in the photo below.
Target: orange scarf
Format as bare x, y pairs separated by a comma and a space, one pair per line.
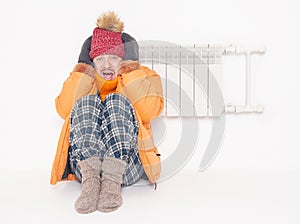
106, 87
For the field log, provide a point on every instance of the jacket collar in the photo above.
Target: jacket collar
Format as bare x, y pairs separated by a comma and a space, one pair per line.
125, 67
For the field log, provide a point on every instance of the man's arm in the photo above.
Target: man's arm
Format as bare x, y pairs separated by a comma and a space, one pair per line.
78, 84
144, 90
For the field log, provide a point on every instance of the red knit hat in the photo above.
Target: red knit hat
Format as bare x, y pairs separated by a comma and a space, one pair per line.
107, 36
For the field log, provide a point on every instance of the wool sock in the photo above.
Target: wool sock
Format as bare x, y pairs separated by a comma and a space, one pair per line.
90, 170
110, 198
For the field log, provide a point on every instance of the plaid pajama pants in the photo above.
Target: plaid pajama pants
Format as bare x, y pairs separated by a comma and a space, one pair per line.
105, 129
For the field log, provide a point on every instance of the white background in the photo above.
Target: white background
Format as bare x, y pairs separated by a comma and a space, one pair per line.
255, 177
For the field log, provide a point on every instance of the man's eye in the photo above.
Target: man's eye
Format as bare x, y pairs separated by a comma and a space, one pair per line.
114, 58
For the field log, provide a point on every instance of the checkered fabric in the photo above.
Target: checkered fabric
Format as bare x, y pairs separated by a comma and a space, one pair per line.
105, 129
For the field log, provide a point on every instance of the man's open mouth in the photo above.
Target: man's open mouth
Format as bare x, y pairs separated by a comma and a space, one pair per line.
108, 75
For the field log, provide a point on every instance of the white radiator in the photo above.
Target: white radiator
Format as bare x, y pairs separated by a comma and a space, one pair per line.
192, 86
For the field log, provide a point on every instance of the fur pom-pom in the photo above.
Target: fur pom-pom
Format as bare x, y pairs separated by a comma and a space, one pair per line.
111, 22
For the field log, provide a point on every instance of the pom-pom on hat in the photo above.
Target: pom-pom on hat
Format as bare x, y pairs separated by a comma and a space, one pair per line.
107, 36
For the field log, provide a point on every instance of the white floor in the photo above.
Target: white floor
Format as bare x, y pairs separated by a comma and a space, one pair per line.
189, 196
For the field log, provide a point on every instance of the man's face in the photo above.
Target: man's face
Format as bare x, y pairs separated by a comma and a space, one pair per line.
107, 66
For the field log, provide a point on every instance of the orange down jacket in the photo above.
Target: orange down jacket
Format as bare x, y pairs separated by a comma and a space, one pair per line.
140, 85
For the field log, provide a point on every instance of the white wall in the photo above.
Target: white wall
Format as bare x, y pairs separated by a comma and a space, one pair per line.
40, 44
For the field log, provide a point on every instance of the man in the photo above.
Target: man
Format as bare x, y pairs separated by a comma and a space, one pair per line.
106, 141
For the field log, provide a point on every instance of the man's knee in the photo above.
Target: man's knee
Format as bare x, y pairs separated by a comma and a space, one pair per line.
87, 100
117, 99
86, 104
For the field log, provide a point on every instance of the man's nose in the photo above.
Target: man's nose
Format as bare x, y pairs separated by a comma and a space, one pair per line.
106, 63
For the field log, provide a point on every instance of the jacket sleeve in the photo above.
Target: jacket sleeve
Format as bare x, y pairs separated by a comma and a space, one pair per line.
144, 90
77, 85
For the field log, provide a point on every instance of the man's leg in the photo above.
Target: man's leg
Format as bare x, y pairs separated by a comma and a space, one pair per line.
121, 164
84, 154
